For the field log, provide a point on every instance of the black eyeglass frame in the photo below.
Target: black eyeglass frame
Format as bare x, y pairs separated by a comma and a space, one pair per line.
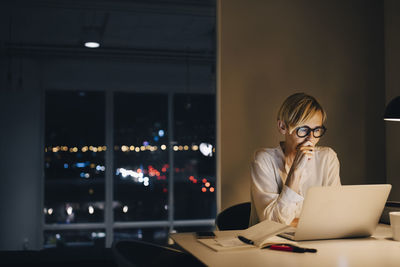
309, 130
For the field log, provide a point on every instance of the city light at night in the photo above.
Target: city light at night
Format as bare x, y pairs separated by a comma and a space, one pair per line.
69, 210
125, 209
91, 210
205, 148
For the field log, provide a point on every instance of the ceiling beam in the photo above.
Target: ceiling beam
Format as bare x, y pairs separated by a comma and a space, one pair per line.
34, 50
204, 8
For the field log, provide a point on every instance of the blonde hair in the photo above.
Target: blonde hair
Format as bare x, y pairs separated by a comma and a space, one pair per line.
298, 108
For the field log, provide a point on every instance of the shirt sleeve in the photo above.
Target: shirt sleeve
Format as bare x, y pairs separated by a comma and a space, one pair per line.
269, 201
333, 176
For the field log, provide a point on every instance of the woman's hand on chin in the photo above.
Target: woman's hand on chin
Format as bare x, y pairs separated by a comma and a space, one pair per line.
305, 152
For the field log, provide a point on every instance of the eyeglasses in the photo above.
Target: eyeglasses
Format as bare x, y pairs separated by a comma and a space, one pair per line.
304, 131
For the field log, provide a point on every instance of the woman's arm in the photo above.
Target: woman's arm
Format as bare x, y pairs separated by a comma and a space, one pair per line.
305, 151
272, 200
333, 173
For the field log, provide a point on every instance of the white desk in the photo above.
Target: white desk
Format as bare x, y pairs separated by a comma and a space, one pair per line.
378, 250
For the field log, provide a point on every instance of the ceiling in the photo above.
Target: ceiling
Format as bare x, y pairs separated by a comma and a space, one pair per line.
157, 27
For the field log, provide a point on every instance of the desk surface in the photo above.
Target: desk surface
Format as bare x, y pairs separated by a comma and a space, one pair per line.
378, 250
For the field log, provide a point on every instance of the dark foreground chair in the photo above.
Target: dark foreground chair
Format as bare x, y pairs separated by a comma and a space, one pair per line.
234, 218
59, 257
129, 253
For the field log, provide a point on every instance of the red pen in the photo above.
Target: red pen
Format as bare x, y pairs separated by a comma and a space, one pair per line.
291, 248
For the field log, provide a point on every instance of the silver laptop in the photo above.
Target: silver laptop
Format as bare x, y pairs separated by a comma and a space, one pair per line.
340, 212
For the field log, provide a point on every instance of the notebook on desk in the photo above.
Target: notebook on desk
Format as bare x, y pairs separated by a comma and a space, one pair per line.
340, 212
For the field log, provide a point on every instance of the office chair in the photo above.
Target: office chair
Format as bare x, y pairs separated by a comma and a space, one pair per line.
389, 206
235, 217
134, 253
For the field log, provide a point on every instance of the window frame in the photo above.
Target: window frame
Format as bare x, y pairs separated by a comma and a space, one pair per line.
109, 224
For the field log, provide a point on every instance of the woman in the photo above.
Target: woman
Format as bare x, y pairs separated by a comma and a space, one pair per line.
282, 175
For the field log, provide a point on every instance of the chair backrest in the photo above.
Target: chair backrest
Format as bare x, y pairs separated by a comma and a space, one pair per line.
390, 206
235, 217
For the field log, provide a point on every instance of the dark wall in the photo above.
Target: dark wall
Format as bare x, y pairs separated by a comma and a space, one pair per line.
21, 165
392, 65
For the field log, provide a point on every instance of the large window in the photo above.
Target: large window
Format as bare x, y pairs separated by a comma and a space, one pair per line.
74, 157
162, 157
141, 157
194, 132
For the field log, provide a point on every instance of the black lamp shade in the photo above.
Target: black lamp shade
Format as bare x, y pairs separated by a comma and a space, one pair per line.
392, 112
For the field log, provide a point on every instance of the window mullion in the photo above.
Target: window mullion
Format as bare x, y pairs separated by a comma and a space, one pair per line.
171, 161
109, 190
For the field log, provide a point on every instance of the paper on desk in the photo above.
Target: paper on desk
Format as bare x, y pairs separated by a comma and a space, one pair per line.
224, 244
274, 240
261, 232
233, 243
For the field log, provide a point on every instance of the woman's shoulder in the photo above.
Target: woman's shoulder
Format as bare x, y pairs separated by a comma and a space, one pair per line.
325, 151
263, 154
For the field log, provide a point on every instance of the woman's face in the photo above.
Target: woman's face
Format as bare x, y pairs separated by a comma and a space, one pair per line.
292, 141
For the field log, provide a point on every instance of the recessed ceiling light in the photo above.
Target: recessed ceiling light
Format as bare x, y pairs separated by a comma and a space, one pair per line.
92, 44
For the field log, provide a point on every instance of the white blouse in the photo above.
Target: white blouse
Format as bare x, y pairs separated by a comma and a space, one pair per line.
271, 199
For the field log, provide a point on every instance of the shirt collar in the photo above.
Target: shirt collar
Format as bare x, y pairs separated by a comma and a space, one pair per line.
286, 168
